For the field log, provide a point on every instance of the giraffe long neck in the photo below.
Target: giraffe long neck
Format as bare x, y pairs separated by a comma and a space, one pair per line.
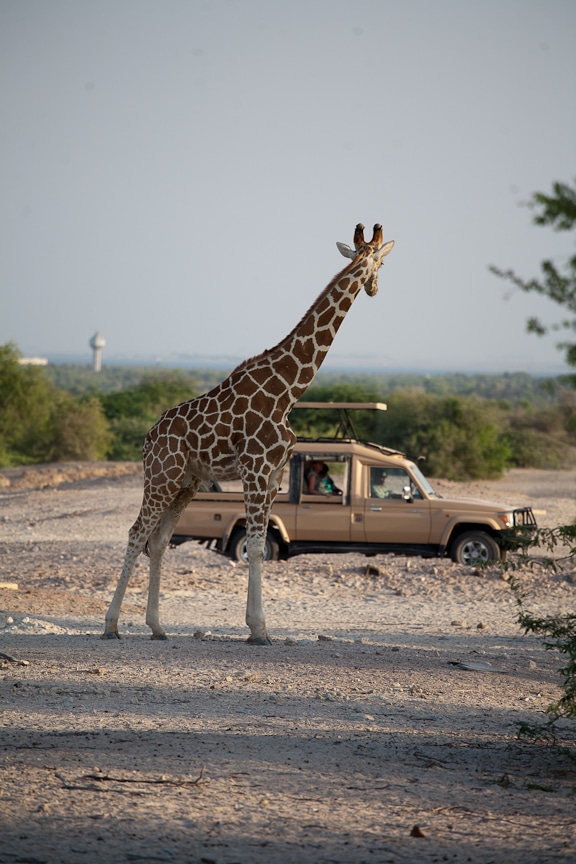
296, 359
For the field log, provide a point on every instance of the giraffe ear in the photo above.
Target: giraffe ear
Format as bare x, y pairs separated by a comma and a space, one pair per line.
346, 250
386, 248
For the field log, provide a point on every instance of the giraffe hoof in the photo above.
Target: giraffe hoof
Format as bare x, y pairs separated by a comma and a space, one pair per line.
110, 634
259, 640
159, 637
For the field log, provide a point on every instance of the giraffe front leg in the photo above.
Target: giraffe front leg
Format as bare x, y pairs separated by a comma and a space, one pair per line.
258, 500
254, 606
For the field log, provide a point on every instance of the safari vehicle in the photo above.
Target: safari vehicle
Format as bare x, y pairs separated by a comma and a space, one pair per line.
385, 505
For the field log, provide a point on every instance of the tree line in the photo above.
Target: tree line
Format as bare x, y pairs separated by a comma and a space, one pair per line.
440, 420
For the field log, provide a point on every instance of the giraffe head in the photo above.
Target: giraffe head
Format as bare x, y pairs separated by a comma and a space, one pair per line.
373, 252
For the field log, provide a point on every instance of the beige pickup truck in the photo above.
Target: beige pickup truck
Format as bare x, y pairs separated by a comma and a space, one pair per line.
384, 504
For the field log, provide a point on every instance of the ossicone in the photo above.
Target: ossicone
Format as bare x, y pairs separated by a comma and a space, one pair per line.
377, 235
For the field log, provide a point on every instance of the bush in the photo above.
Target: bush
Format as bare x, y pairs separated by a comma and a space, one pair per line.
458, 438
533, 449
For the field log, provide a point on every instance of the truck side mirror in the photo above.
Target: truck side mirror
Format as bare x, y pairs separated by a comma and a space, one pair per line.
406, 493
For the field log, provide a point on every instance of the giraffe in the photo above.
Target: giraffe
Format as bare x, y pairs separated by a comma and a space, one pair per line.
240, 430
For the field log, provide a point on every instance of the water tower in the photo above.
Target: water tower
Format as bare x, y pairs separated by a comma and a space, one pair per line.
97, 343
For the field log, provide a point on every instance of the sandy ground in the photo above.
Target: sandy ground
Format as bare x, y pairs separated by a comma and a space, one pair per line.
380, 726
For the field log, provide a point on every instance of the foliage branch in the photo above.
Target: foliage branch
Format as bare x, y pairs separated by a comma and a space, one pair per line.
557, 211
558, 631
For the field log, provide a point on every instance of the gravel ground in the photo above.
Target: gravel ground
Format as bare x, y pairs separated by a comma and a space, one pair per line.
380, 726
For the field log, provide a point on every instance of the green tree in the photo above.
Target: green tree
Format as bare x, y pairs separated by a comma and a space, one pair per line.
79, 430
557, 210
26, 398
39, 423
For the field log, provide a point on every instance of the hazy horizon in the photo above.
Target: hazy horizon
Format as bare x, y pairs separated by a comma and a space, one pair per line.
359, 366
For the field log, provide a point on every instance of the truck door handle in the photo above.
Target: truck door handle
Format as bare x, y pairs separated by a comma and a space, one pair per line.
376, 509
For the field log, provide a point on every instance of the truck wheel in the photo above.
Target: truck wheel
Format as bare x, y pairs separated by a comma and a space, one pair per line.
474, 547
238, 547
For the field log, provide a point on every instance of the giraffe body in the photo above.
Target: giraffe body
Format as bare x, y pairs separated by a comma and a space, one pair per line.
239, 430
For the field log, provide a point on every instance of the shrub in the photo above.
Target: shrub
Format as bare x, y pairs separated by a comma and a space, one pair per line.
559, 631
79, 430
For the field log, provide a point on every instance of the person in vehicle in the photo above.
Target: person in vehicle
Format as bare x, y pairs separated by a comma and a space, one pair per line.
379, 487
319, 480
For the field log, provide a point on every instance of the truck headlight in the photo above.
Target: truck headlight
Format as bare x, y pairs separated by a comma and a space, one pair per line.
507, 519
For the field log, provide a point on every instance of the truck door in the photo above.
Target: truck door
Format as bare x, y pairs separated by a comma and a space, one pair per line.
324, 517
388, 516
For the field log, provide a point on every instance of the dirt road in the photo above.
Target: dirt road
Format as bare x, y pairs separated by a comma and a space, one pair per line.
379, 727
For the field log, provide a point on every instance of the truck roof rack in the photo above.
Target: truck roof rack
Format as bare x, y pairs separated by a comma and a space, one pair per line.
356, 406
387, 451
346, 427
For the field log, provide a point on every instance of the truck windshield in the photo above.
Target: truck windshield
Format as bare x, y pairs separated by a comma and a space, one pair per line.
423, 481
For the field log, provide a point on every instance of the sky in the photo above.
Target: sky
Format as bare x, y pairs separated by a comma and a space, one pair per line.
175, 175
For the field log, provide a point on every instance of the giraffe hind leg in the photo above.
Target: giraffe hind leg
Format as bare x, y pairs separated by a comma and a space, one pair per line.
137, 537
140, 533
156, 546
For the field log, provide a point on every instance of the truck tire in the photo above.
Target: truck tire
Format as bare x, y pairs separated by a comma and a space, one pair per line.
474, 547
237, 547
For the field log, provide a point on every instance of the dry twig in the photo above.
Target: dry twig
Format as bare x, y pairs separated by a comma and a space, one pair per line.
165, 781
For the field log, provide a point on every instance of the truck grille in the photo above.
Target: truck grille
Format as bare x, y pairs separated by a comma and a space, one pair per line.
524, 518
